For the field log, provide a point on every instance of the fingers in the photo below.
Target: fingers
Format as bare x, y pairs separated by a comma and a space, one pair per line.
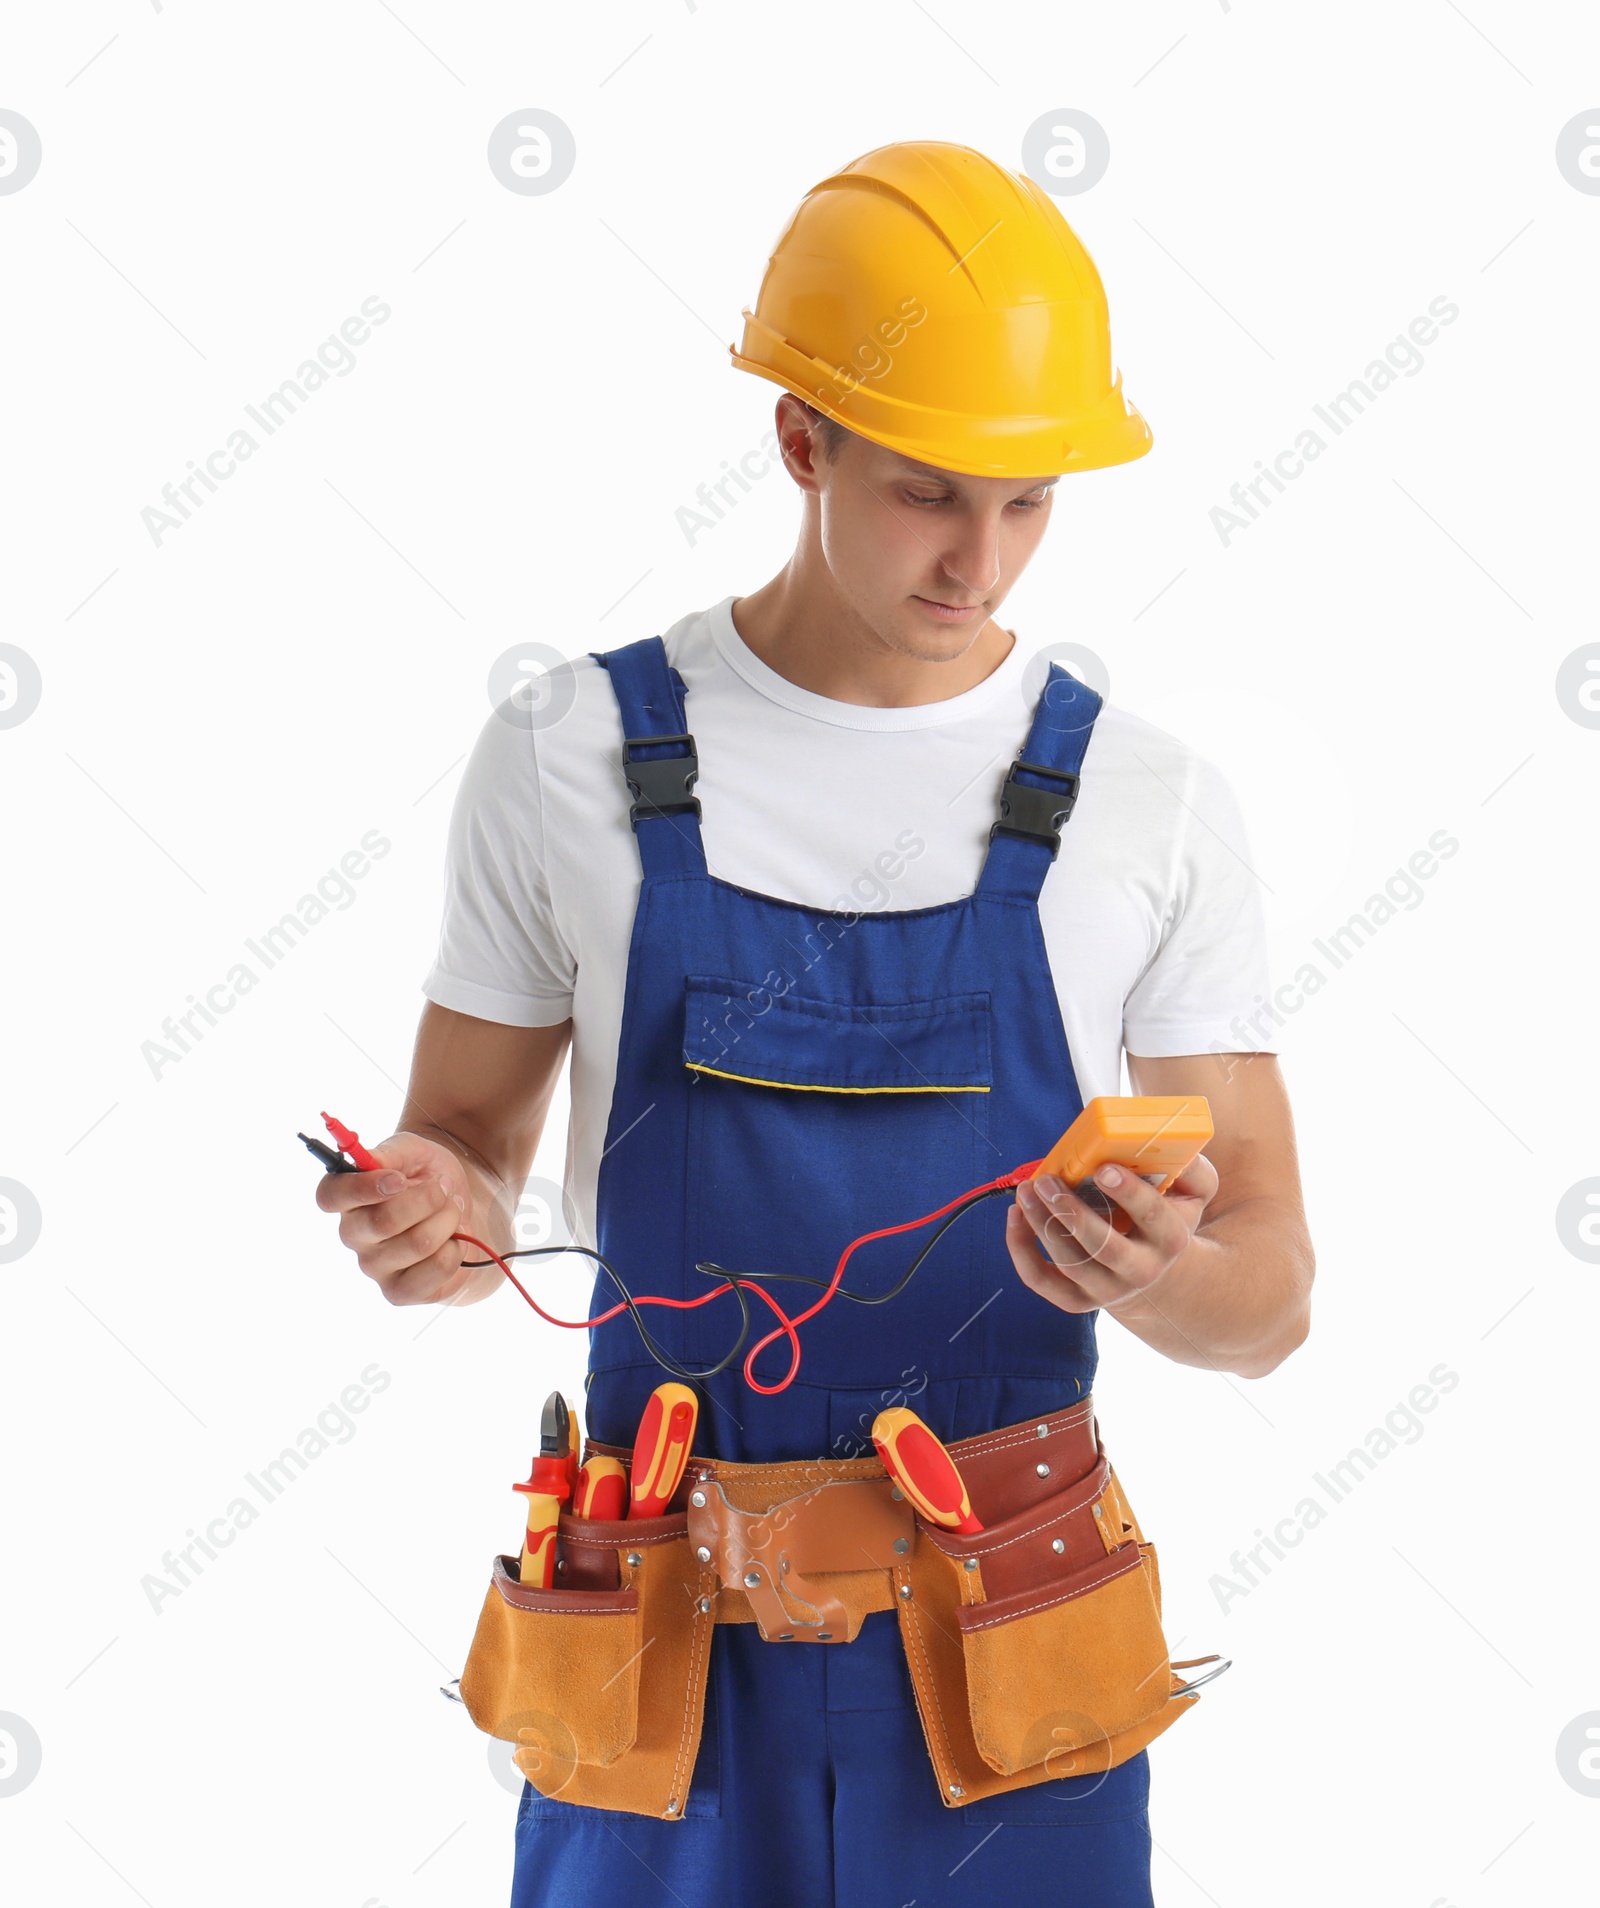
1198, 1180
1067, 1287
343, 1192
396, 1213
1070, 1277
438, 1277
1072, 1231
405, 1157
401, 1231
1155, 1220
400, 1221
1104, 1266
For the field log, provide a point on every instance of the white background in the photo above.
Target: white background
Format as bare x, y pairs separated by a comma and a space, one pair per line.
225, 715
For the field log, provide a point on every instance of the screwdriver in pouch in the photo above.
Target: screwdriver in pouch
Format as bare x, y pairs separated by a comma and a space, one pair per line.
548, 1487
923, 1469
661, 1450
602, 1489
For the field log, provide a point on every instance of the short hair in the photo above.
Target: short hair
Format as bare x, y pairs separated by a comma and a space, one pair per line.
834, 434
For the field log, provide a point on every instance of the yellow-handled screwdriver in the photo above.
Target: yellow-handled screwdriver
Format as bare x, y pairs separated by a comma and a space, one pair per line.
923, 1469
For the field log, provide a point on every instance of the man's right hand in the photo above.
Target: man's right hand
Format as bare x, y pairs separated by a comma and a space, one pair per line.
486, 1086
398, 1222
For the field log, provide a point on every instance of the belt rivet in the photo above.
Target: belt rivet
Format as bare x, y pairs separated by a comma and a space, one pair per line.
1098, 1512
752, 1577
897, 1494
824, 1636
634, 1559
969, 1563
705, 1604
902, 1544
1057, 1545
703, 1554
905, 1591
697, 1498
956, 1789
1042, 1469
672, 1806
1044, 1431
561, 1563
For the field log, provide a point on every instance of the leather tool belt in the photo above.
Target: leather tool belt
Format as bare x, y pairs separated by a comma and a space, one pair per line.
1035, 1646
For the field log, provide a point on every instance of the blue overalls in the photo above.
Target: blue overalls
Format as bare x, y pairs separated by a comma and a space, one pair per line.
787, 1079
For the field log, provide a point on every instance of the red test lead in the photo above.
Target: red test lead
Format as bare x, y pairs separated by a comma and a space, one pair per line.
350, 1143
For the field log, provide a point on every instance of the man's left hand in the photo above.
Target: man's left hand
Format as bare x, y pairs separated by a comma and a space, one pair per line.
1091, 1266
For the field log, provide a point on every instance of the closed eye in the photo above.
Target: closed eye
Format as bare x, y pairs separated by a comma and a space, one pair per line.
1017, 503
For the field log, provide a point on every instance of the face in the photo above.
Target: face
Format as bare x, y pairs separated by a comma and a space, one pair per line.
924, 556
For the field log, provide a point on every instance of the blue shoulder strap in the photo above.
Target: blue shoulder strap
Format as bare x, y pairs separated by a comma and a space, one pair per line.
660, 766
1040, 789
658, 757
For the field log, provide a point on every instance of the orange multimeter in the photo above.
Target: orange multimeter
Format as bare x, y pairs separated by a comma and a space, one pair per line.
1153, 1135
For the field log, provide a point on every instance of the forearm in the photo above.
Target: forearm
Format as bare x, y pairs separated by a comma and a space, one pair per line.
1236, 1299
482, 1090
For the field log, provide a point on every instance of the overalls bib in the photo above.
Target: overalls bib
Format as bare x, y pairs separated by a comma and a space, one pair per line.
787, 1079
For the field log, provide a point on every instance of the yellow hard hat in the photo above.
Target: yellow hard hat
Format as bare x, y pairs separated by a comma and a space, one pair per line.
929, 300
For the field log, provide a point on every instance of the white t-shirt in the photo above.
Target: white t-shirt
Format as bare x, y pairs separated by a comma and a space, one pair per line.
1151, 916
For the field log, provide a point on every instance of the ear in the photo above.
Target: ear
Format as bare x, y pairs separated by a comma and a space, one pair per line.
799, 440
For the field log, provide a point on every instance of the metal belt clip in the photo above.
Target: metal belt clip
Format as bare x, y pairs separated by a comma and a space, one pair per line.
1197, 1682
847, 1524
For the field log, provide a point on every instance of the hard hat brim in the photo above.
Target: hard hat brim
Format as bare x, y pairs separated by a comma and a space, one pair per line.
1011, 447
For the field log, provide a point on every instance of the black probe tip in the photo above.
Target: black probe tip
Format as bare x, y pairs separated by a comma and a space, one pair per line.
334, 1162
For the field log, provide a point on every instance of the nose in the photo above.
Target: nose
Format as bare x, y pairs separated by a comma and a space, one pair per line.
972, 556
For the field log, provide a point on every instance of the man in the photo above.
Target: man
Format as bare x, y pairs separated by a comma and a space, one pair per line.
828, 986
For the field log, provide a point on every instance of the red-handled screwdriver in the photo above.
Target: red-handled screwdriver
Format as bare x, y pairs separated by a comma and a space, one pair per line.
602, 1489
660, 1451
923, 1469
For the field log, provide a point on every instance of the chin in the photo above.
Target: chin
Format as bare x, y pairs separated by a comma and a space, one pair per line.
933, 641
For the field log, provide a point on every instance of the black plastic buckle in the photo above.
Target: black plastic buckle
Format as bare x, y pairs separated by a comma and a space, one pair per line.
660, 786
1035, 814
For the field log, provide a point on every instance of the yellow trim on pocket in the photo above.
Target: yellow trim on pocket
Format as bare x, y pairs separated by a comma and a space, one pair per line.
750, 1080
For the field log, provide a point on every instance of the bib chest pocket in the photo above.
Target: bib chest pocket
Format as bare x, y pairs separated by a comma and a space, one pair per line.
812, 1121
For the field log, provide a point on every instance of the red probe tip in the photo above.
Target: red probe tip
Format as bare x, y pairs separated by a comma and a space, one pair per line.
349, 1142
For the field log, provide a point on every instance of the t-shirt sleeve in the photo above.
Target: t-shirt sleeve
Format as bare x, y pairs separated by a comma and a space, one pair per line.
501, 954
1203, 989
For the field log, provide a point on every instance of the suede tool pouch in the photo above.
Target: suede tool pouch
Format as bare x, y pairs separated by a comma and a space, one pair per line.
1065, 1667
599, 1681
1058, 1614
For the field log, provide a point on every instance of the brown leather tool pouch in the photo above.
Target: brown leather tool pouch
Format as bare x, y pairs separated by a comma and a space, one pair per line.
1035, 1646
601, 1682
